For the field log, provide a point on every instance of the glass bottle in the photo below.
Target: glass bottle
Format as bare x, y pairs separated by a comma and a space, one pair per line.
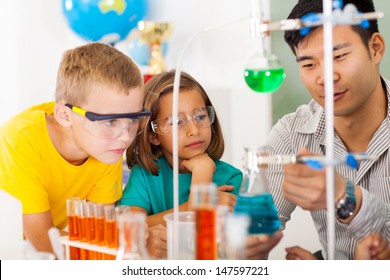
254, 198
264, 73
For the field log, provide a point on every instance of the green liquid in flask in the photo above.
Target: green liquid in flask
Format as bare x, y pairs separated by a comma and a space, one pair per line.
264, 80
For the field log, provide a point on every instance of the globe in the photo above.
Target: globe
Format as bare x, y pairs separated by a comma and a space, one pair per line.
107, 21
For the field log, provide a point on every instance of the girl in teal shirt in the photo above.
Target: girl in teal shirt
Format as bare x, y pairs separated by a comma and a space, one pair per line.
200, 147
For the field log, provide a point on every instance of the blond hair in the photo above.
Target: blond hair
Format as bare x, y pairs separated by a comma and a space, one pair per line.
141, 151
91, 65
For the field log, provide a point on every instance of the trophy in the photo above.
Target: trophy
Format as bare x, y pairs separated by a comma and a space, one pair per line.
155, 34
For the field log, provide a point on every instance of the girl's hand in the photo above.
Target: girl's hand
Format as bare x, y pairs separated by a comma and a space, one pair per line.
157, 242
225, 197
298, 253
199, 163
202, 168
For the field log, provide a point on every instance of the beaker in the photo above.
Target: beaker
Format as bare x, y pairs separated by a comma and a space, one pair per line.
181, 235
254, 198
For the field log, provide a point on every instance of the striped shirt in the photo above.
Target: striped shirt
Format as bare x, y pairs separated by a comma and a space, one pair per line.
305, 128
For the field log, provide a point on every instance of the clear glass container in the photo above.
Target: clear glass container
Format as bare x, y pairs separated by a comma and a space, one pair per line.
264, 72
254, 198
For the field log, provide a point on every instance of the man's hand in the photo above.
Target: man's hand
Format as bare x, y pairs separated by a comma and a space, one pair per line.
259, 246
306, 186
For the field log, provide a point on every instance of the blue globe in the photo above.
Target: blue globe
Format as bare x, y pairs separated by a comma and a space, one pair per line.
107, 21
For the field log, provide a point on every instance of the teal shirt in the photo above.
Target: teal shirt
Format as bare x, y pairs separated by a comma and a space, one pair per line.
155, 193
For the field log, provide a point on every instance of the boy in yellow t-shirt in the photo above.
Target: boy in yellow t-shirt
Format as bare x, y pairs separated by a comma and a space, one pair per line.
73, 147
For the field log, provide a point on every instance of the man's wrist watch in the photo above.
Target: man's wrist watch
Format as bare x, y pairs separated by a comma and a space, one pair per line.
346, 206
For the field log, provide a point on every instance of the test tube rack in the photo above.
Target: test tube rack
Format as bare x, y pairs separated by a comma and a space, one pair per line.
118, 253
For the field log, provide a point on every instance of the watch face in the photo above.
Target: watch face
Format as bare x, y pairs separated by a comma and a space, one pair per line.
346, 208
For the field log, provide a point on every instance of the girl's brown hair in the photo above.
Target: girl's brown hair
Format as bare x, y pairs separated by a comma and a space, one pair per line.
141, 151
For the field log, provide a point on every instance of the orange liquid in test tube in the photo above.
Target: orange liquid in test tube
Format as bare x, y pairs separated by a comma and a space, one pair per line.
99, 223
90, 234
73, 208
83, 236
99, 228
204, 202
73, 235
111, 234
89, 227
206, 245
110, 229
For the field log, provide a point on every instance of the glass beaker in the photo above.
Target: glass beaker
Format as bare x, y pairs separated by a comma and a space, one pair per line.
254, 198
180, 235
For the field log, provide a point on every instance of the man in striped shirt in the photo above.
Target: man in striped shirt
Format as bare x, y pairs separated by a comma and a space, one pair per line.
361, 124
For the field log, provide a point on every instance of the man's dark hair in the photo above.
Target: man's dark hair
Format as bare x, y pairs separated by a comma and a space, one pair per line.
304, 7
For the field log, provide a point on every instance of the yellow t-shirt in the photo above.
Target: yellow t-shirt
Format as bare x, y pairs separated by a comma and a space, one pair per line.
33, 171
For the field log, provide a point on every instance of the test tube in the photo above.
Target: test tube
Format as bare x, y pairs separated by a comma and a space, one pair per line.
110, 228
222, 215
99, 228
82, 220
204, 204
131, 233
73, 206
89, 225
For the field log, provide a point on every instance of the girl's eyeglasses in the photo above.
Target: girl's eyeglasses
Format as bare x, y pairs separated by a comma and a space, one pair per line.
203, 117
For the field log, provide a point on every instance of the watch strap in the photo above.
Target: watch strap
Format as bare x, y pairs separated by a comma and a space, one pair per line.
346, 206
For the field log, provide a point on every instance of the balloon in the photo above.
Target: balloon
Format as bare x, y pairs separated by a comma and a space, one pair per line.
107, 21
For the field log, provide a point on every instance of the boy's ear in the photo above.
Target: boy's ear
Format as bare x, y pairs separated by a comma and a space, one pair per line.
63, 114
154, 139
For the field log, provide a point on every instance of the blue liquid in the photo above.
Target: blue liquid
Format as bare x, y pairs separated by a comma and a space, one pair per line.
261, 209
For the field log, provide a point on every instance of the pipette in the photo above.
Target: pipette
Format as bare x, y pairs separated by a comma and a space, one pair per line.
316, 20
317, 162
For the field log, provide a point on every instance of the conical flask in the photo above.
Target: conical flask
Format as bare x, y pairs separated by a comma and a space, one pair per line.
254, 198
